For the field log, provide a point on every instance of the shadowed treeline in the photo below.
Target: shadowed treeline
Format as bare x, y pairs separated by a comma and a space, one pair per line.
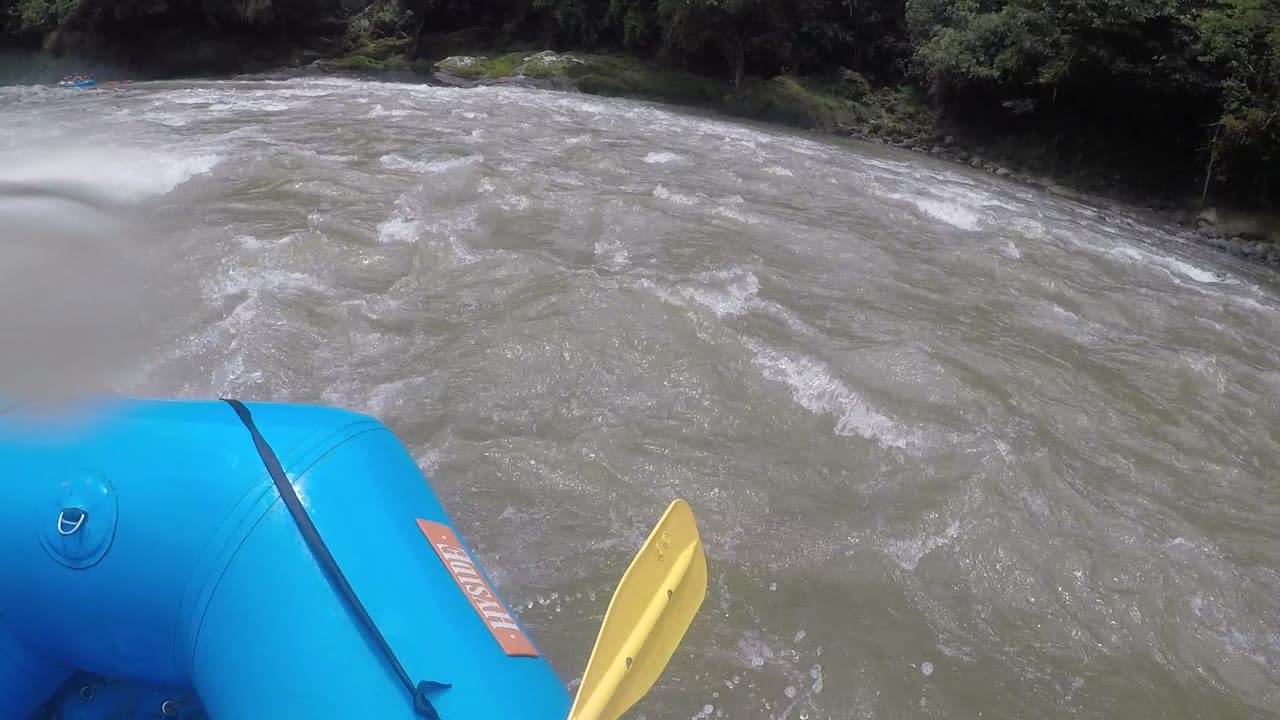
1179, 93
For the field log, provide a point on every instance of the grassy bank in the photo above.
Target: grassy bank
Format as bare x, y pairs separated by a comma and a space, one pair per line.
839, 104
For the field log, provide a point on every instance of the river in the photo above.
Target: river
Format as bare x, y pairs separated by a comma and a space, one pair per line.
958, 448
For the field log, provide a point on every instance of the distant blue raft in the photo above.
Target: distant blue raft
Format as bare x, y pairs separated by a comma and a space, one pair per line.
150, 567
73, 84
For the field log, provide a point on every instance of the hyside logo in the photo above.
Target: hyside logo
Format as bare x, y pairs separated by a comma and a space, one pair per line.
466, 574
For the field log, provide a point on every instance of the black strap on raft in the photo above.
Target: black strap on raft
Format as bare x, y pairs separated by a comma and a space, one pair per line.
421, 703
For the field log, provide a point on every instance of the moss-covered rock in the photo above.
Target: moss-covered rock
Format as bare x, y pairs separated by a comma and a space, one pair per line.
623, 76
381, 49
383, 55
480, 67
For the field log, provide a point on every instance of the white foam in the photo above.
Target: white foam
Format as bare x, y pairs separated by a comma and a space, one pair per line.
727, 293
1172, 265
662, 158
162, 118
516, 202
1011, 251
779, 171
122, 173
397, 162
815, 388
732, 213
949, 212
662, 193
907, 552
611, 252
380, 112
399, 229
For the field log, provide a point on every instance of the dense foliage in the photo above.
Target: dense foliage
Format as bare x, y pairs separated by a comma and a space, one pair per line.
1189, 90
1180, 88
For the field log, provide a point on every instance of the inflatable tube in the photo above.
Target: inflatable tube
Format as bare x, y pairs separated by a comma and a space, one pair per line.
148, 545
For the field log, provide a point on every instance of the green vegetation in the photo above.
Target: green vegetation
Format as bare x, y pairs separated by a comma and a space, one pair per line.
376, 55
1179, 96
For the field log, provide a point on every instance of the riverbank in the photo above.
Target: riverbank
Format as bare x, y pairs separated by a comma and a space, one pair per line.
847, 105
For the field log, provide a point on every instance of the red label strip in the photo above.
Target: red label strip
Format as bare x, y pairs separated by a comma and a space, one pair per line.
466, 573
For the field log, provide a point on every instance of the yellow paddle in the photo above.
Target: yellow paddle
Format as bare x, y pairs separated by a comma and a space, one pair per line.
652, 608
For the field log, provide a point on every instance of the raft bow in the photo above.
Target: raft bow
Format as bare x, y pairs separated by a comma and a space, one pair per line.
235, 561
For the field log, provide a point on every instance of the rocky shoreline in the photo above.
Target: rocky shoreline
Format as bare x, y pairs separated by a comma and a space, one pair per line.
1251, 237
1247, 236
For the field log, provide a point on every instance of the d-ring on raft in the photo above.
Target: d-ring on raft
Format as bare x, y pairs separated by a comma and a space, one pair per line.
228, 561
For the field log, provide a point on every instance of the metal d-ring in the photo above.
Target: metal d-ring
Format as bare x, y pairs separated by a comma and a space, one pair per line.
74, 528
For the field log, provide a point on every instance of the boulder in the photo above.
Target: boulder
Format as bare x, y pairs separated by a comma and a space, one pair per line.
1003, 172
1235, 246
935, 150
1220, 243
534, 83
448, 79
457, 62
1061, 191
976, 163
1248, 226
1208, 216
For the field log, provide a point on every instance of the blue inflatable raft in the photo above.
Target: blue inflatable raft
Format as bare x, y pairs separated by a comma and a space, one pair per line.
208, 559
73, 84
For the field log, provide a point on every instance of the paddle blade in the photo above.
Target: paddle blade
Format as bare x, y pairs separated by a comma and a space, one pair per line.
651, 610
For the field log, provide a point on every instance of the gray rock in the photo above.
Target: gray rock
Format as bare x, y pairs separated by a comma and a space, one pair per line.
1045, 181
1253, 227
1217, 242
1208, 216
976, 163
963, 156
1003, 172
533, 83
935, 150
949, 140
456, 62
450, 80
1235, 247
1061, 191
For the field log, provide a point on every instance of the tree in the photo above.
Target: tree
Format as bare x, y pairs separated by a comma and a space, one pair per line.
735, 28
1242, 42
